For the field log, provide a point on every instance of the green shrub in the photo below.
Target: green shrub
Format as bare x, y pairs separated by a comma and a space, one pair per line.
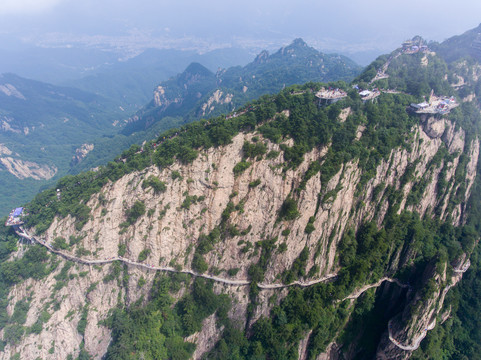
144, 254
240, 167
313, 169
233, 271
176, 175
189, 200
155, 183
254, 183
60, 243
13, 334
310, 225
254, 150
122, 249
91, 287
136, 211
82, 324
288, 209
309, 228
282, 248
19, 315
272, 154
199, 264
228, 210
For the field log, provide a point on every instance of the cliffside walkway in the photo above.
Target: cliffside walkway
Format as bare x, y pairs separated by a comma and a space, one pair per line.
360, 291
24, 234
417, 340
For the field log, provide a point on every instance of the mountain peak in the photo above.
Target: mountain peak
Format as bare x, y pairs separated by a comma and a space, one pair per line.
297, 48
262, 57
197, 69
298, 43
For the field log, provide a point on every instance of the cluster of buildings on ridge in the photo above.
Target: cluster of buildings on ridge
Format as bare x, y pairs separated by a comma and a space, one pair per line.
15, 217
329, 96
414, 46
436, 105
333, 95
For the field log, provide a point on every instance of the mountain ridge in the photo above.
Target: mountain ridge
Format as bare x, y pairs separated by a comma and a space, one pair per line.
220, 94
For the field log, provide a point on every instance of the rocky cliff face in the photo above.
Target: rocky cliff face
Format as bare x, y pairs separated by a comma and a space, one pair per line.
81, 153
195, 202
407, 329
27, 169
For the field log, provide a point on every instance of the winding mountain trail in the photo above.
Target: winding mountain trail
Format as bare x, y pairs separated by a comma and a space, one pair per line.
360, 291
417, 340
24, 234
408, 347
356, 294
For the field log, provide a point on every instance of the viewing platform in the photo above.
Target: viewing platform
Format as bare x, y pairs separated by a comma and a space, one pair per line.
15, 217
367, 95
330, 96
437, 105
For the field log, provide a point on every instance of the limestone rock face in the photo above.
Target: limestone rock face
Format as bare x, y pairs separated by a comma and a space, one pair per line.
406, 330
434, 127
218, 97
81, 153
28, 169
10, 90
172, 225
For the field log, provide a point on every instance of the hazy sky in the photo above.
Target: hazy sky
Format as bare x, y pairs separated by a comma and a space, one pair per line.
343, 25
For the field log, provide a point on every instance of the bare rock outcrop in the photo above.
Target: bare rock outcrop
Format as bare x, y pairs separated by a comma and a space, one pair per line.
434, 127
25, 169
407, 329
81, 153
218, 97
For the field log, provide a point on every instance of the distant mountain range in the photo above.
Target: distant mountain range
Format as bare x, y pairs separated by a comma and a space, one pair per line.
198, 92
130, 83
70, 65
